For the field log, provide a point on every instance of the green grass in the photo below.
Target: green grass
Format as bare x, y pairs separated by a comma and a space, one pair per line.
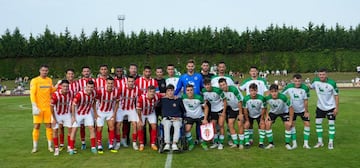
16, 144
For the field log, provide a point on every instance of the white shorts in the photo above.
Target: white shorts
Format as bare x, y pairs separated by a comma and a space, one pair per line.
102, 116
64, 119
87, 119
131, 115
151, 118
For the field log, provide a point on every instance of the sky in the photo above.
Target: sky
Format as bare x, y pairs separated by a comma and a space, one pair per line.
33, 16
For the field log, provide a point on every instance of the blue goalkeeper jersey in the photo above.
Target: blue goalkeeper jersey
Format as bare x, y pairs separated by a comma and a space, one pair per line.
195, 80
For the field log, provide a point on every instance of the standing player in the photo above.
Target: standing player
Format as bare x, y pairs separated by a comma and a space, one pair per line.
83, 102
146, 80
279, 107
327, 106
221, 67
191, 77
125, 140
100, 82
262, 90
160, 80
193, 104
86, 73
143, 83
171, 78
234, 101
299, 94
41, 88
146, 110
216, 98
73, 89
128, 95
255, 106
60, 107
107, 99
205, 68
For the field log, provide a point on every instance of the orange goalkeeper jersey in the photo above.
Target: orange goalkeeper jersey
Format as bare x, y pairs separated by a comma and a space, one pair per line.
40, 92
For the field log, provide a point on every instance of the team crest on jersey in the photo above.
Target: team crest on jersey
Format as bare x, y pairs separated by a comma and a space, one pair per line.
174, 105
162, 85
196, 78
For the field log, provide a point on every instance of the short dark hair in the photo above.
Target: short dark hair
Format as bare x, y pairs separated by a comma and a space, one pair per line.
159, 68
90, 82
130, 76
253, 86
171, 65
44, 66
151, 87
103, 65
64, 81
70, 69
119, 67
189, 85
274, 87
207, 81
82, 68
147, 67
221, 80
132, 64
170, 86
322, 70
221, 62
206, 62
109, 78
253, 67
297, 76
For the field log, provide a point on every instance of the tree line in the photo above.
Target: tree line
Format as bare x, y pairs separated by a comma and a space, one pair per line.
204, 41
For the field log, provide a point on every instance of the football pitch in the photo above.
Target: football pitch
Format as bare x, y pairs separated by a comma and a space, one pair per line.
16, 144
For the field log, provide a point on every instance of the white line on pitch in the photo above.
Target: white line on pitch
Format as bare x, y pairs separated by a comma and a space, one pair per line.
168, 160
22, 107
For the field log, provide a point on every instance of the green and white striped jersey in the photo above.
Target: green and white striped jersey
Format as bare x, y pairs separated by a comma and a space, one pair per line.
278, 106
233, 97
260, 82
193, 106
215, 97
215, 80
325, 92
254, 106
297, 96
172, 80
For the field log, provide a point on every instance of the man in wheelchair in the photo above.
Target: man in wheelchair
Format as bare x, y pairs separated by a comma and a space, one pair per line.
172, 112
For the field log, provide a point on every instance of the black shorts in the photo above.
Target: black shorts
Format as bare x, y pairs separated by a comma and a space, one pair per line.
191, 121
215, 115
322, 114
251, 120
231, 114
284, 117
302, 116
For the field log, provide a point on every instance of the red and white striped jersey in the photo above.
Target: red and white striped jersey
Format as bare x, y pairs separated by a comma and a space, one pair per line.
118, 83
144, 83
61, 102
107, 99
147, 105
84, 102
100, 83
128, 97
83, 81
74, 87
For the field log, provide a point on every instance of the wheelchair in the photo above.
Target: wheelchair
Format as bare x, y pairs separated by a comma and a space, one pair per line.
182, 142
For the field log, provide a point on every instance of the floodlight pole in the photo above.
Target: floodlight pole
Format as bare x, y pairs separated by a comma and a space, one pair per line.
121, 19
